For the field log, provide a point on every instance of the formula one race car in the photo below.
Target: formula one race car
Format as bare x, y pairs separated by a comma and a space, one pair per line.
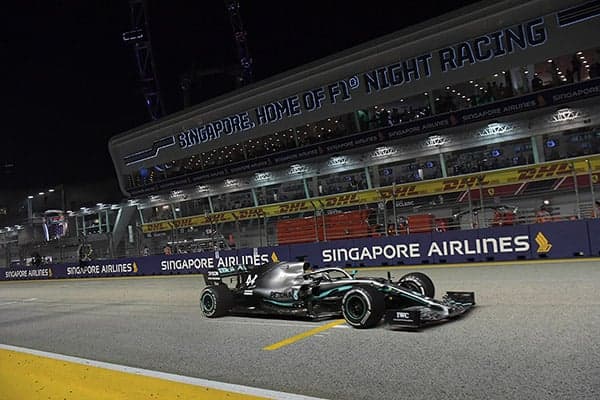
293, 289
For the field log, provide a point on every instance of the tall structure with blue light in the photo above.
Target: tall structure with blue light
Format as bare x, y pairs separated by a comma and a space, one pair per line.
240, 36
139, 38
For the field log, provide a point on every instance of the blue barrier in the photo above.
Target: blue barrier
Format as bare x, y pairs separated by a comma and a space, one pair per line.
564, 239
594, 236
550, 240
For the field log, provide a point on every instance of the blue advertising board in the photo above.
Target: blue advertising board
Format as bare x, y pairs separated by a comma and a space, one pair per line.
555, 240
594, 236
563, 239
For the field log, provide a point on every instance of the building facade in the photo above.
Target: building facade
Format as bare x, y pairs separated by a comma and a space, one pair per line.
497, 86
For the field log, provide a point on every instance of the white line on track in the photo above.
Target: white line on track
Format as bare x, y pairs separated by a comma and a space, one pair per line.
19, 301
247, 390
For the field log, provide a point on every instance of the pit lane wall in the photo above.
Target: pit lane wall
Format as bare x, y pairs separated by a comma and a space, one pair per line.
553, 240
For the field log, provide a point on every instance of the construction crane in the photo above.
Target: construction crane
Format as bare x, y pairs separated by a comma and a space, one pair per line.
241, 72
240, 37
139, 38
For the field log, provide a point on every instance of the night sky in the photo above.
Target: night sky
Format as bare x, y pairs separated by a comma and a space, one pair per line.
69, 82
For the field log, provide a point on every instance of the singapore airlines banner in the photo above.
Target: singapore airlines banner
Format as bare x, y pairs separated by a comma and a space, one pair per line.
196, 263
555, 240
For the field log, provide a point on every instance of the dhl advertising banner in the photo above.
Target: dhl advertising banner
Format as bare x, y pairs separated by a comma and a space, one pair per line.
489, 180
554, 240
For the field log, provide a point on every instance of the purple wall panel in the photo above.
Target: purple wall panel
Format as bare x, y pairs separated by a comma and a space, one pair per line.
309, 252
513, 248
550, 240
396, 250
559, 239
454, 246
593, 226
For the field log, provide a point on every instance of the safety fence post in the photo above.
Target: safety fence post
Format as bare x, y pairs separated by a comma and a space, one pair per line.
592, 191
576, 188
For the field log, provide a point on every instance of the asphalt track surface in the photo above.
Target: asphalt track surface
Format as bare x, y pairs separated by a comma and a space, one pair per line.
535, 334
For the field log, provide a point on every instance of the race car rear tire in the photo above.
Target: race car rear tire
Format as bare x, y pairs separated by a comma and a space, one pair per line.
216, 301
363, 307
418, 282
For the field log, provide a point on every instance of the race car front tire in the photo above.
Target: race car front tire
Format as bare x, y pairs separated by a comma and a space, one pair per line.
216, 301
418, 282
363, 307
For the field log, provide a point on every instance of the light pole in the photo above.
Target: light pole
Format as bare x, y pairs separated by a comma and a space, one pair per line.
31, 197
30, 209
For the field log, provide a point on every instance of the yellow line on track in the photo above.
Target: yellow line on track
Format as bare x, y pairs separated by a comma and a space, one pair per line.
304, 335
33, 377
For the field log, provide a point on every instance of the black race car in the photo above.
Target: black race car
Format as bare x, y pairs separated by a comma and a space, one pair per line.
294, 289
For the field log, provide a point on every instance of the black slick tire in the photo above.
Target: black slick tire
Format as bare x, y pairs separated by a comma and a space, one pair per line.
216, 301
363, 307
418, 282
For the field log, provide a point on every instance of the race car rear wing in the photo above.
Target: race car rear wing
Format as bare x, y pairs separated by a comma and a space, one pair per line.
212, 278
215, 276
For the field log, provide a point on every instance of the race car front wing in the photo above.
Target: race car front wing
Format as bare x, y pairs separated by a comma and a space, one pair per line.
452, 305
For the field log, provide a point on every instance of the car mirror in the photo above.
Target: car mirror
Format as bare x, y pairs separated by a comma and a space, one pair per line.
353, 273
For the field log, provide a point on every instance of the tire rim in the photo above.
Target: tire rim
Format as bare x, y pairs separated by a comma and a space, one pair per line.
356, 307
208, 303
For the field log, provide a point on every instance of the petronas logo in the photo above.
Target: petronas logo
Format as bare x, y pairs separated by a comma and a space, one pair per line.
544, 245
